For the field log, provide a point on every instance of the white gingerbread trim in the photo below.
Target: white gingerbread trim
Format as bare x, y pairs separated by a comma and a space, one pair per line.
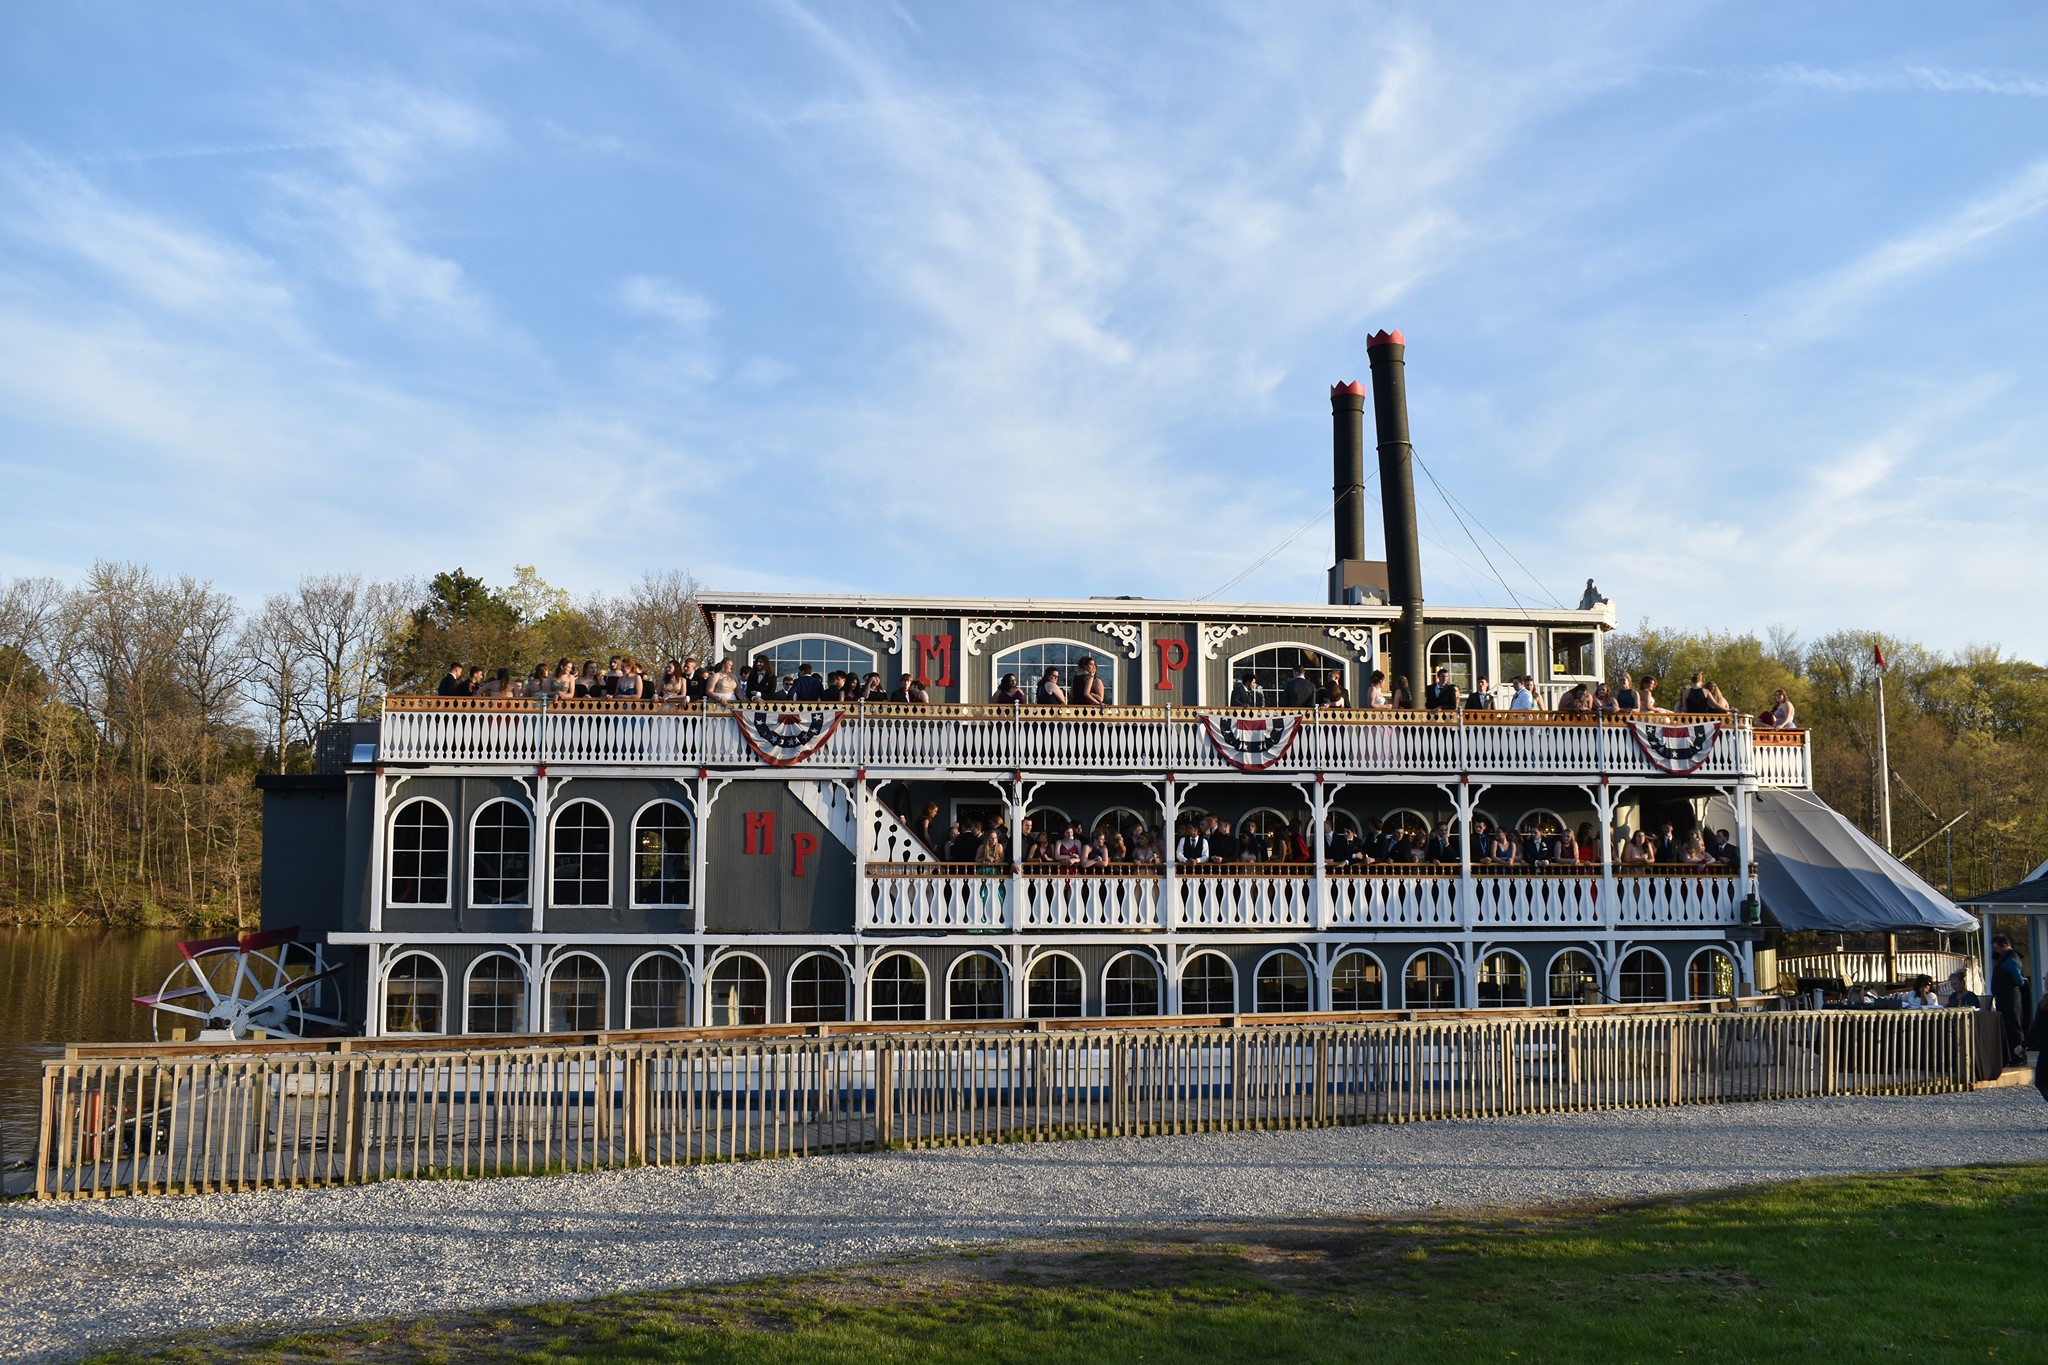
729, 631
1360, 638
888, 628
1128, 633
1214, 636
975, 634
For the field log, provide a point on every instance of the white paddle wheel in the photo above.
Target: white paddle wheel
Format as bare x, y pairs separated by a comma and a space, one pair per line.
228, 988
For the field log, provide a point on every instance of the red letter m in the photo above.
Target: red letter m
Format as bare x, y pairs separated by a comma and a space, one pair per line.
760, 831
937, 648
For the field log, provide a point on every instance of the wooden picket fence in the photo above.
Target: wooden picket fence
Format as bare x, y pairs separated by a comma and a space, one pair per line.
231, 1117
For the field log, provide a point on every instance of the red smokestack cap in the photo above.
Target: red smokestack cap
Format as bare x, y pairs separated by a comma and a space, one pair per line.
1385, 339
1354, 387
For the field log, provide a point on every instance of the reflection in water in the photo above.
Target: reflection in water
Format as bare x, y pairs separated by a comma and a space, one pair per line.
60, 986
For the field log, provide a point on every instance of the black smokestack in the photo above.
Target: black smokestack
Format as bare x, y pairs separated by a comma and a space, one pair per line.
1347, 467
1387, 352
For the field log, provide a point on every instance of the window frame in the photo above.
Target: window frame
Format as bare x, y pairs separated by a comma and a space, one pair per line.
391, 900
744, 663
924, 976
1621, 970
711, 1001
389, 969
1550, 976
1236, 985
1379, 966
1158, 985
1734, 971
1080, 978
632, 979
525, 902
1308, 981
1111, 677
547, 1001
1336, 662
1550, 653
525, 990
1471, 662
1479, 980
555, 902
633, 900
1417, 956
1002, 975
845, 988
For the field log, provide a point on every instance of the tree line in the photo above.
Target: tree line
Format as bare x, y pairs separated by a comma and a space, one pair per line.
136, 710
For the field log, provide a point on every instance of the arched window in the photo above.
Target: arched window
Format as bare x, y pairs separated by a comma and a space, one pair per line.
1574, 980
818, 991
1402, 818
1710, 975
583, 855
1539, 821
1272, 666
500, 856
657, 993
739, 992
1453, 652
824, 654
1265, 823
974, 988
1053, 988
419, 854
661, 855
1503, 982
576, 994
1029, 663
1130, 986
495, 1001
413, 992
1281, 985
1430, 982
1121, 820
1643, 978
896, 989
1357, 983
1208, 985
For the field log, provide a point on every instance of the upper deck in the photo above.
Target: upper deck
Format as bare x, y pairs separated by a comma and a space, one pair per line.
988, 741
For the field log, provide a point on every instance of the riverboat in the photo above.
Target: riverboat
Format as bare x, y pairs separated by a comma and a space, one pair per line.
500, 866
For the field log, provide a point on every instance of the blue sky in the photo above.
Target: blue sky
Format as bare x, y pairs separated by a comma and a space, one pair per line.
1736, 308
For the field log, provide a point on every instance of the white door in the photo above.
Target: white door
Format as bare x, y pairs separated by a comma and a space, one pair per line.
1513, 655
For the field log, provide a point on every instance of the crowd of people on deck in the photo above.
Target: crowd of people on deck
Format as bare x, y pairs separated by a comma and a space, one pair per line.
1211, 840
622, 678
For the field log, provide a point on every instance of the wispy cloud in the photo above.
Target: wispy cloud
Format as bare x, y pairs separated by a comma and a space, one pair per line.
1922, 78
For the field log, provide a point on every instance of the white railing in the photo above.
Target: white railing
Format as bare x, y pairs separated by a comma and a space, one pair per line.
1873, 969
1389, 901
1691, 898
1259, 901
980, 739
939, 900
1111, 900
957, 896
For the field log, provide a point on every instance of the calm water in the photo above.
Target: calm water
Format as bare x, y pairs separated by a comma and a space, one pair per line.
59, 986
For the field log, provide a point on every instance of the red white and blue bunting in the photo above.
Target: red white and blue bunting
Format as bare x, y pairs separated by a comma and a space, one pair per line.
780, 738
1675, 749
1252, 744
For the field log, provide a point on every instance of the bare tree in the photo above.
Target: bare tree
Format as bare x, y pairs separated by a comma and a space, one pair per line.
341, 624
660, 620
278, 672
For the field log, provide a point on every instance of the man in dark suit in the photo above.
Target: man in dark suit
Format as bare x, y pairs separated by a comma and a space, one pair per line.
1298, 690
809, 686
1440, 695
1481, 698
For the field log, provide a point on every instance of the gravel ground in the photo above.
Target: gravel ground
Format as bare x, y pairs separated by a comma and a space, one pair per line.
77, 1276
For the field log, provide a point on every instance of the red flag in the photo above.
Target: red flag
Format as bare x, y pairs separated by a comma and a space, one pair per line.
1879, 652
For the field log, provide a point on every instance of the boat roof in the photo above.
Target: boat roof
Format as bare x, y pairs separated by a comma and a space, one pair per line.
1146, 608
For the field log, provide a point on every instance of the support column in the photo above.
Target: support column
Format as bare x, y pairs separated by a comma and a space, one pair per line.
373, 988
1319, 815
1610, 893
543, 847
861, 846
379, 876
1169, 805
536, 998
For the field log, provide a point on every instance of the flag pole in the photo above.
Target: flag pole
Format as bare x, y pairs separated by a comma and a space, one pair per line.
1884, 759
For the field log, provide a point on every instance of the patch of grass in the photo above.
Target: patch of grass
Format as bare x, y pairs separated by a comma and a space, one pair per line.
1939, 1265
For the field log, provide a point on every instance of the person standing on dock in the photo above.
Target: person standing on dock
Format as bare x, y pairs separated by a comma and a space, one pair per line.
2009, 995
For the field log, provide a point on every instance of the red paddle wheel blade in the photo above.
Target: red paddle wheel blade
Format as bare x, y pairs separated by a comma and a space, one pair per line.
199, 946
